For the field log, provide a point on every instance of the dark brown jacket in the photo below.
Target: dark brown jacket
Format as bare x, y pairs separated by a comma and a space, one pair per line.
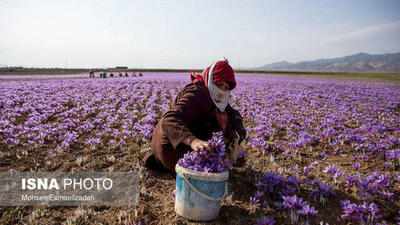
191, 115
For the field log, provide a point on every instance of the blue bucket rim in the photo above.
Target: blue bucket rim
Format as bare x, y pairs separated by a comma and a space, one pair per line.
201, 175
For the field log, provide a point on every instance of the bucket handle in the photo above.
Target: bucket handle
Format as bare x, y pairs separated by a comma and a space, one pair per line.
203, 195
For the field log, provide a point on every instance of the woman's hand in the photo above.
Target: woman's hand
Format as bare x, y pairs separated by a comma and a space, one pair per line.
198, 144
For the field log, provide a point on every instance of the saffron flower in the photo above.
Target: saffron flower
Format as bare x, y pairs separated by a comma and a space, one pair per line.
266, 221
205, 161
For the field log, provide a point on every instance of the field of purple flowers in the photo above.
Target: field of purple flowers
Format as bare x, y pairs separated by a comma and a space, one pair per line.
319, 151
39, 76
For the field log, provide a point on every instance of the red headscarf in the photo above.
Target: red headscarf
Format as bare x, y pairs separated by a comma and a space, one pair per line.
223, 72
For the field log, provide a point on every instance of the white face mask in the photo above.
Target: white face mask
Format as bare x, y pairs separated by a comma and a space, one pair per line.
219, 97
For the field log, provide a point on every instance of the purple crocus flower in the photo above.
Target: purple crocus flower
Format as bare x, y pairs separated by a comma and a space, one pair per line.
290, 202
351, 180
307, 211
266, 221
254, 201
258, 194
393, 154
387, 164
331, 169
308, 181
364, 213
242, 154
387, 195
321, 191
294, 168
293, 180
306, 170
356, 166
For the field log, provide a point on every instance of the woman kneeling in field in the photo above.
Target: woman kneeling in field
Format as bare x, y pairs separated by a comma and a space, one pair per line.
198, 110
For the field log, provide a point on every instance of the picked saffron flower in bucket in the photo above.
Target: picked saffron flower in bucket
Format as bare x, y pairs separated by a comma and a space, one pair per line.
213, 161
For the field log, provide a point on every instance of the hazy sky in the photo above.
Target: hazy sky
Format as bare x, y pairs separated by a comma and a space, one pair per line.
192, 33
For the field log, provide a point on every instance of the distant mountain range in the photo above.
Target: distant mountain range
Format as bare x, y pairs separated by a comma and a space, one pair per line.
361, 62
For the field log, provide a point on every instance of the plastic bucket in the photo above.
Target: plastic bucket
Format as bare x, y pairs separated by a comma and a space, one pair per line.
198, 195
